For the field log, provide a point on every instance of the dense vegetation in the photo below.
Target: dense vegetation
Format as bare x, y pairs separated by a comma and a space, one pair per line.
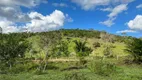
70, 55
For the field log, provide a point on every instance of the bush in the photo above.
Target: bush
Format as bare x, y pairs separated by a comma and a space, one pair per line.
23, 67
102, 68
96, 45
108, 52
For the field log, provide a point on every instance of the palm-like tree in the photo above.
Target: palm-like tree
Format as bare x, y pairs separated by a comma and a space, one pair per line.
81, 49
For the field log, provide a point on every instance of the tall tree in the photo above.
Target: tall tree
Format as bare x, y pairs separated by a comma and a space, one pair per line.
12, 46
134, 47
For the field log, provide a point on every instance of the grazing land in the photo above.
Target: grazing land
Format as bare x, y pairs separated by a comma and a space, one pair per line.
70, 54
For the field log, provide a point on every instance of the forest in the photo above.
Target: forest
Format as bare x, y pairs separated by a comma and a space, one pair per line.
70, 54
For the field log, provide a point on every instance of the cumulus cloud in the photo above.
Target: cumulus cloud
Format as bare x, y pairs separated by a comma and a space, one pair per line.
139, 6
25, 3
10, 9
136, 24
114, 12
39, 23
8, 26
92, 4
11, 14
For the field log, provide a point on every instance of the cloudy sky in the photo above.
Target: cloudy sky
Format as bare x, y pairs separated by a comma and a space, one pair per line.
113, 16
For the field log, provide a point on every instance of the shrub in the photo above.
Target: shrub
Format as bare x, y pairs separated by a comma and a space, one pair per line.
102, 68
23, 67
108, 51
96, 45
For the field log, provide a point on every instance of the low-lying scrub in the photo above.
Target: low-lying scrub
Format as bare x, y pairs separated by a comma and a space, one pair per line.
101, 67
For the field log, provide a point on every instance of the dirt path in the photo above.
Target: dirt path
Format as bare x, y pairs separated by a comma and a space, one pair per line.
59, 60
63, 60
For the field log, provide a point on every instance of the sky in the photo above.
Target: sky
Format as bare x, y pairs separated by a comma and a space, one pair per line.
112, 16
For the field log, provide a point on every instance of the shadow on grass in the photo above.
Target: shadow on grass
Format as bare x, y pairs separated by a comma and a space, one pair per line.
73, 68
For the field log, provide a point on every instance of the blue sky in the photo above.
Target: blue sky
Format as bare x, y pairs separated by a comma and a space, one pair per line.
113, 16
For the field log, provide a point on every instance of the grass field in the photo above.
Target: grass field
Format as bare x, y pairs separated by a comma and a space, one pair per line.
118, 49
59, 72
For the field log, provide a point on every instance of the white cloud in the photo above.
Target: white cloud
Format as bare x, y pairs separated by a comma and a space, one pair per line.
68, 18
8, 26
136, 24
91, 4
126, 31
139, 6
107, 9
108, 22
60, 5
25, 3
10, 9
112, 16
46, 23
39, 23
11, 14
118, 9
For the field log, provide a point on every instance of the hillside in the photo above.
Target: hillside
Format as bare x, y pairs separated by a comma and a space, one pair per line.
71, 54
91, 36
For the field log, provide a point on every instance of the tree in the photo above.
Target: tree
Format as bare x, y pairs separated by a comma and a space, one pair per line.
49, 42
134, 47
12, 47
82, 50
63, 48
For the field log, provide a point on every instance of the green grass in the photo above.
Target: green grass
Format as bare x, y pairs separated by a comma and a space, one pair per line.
127, 72
57, 71
117, 51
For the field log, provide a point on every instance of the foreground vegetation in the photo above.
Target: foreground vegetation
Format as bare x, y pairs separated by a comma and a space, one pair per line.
60, 72
70, 55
